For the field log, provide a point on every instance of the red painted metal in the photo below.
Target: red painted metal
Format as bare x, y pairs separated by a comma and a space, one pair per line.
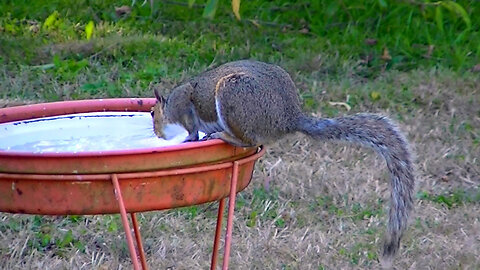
139, 160
126, 226
141, 180
77, 106
231, 209
218, 233
138, 237
91, 194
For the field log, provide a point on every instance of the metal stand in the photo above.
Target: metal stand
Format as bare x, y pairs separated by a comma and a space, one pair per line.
126, 226
228, 236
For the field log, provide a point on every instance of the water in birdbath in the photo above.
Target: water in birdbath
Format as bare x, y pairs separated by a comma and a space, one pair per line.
85, 132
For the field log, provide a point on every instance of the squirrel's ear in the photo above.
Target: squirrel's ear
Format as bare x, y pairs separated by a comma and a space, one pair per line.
159, 97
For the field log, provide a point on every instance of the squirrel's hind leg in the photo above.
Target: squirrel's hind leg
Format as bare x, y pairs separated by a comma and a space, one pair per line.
224, 136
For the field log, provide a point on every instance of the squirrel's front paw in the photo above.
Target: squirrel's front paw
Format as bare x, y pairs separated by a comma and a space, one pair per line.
192, 137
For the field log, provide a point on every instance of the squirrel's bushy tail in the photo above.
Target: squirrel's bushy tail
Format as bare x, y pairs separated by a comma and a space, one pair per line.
380, 134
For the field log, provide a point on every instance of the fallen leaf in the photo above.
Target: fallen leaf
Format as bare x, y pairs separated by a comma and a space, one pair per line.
123, 10
304, 30
365, 59
33, 28
371, 41
236, 8
276, 47
386, 55
344, 104
254, 22
429, 51
476, 68
89, 29
375, 95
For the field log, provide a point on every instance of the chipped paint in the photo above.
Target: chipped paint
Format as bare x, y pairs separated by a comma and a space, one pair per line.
82, 183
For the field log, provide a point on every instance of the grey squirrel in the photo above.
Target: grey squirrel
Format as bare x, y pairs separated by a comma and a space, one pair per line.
251, 103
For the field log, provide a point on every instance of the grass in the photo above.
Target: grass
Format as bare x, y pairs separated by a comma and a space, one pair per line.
311, 205
46, 41
456, 198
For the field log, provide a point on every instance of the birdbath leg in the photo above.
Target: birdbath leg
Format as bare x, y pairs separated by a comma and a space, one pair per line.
138, 237
231, 209
218, 233
126, 226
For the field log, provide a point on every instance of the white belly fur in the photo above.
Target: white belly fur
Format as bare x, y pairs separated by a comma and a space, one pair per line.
211, 127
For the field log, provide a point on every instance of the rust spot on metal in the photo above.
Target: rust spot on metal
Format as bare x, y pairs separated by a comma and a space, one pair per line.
81, 183
178, 194
138, 191
210, 186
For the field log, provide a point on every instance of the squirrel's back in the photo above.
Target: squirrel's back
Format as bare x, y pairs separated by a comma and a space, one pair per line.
256, 101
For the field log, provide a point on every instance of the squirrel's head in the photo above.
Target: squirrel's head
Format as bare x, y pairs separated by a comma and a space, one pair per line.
159, 119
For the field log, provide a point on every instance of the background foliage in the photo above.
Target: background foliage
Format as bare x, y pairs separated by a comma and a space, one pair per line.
158, 40
311, 205
405, 28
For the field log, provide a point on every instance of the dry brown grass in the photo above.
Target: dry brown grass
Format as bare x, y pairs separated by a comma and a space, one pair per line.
310, 205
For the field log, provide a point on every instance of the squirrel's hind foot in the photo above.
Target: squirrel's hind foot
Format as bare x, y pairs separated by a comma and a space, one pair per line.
224, 136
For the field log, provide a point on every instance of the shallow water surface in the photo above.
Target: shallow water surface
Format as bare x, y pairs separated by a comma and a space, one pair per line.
84, 132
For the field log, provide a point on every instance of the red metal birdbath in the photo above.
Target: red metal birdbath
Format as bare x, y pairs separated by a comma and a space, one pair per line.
122, 181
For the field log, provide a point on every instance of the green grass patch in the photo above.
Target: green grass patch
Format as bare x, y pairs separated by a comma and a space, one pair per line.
360, 254
452, 199
190, 211
359, 29
342, 208
46, 235
60, 50
262, 206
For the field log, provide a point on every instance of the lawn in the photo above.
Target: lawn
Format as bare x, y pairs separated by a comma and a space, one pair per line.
311, 205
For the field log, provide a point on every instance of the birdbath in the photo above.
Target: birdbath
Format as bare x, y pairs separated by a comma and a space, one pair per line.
100, 168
